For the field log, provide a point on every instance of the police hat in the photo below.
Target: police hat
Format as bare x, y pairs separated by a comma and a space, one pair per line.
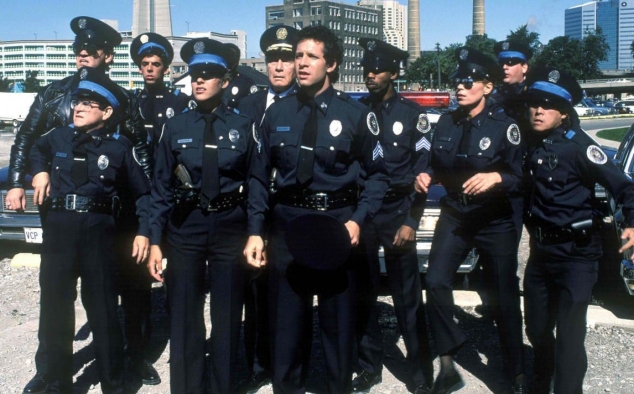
90, 31
318, 241
94, 83
234, 56
551, 85
380, 56
207, 55
279, 38
476, 65
511, 50
151, 44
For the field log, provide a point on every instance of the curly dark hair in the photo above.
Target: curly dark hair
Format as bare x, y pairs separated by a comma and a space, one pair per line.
157, 52
333, 50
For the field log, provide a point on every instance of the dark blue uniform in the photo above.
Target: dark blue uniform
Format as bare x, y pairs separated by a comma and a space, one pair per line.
405, 139
201, 239
158, 107
346, 149
484, 221
563, 263
79, 234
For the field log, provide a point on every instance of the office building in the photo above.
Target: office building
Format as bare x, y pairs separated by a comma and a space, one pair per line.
394, 21
152, 16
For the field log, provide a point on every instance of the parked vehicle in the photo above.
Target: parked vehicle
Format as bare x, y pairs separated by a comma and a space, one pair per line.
14, 107
593, 109
624, 107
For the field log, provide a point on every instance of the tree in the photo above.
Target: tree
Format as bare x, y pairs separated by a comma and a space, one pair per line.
529, 38
481, 43
419, 70
594, 49
31, 83
5, 84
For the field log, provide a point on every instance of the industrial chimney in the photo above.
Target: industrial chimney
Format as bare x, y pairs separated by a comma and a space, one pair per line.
478, 17
413, 30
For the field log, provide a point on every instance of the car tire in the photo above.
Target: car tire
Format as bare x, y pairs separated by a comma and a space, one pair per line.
15, 123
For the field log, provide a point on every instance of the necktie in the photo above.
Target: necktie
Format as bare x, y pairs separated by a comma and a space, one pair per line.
210, 177
79, 169
307, 152
464, 140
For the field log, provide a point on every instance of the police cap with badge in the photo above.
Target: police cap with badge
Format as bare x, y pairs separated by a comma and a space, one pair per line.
278, 40
512, 52
96, 85
379, 56
207, 58
475, 66
92, 34
148, 44
550, 85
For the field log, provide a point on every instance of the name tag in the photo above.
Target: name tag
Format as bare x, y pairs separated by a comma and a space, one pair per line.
283, 128
184, 141
60, 154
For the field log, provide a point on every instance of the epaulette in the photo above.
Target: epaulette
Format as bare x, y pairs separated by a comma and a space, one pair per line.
137, 92
499, 114
412, 104
345, 97
235, 110
118, 137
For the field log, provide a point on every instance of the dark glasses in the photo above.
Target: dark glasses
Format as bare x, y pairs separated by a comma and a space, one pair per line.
467, 83
510, 62
205, 75
91, 49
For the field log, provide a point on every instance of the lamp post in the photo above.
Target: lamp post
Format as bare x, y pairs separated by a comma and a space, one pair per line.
187, 26
438, 53
55, 34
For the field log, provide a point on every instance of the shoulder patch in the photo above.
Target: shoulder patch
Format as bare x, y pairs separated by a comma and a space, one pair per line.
570, 134
423, 124
373, 123
596, 155
513, 134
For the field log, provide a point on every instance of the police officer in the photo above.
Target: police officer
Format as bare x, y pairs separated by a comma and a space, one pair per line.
513, 56
240, 85
565, 245
85, 161
476, 155
406, 141
320, 141
94, 47
277, 45
198, 207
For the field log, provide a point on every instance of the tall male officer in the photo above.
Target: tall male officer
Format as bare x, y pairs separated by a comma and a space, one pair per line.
321, 142
513, 57
240, 85
94, 47
277, 45
406, 142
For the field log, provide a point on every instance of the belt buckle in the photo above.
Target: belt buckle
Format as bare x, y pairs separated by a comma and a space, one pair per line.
323, 196
70, 202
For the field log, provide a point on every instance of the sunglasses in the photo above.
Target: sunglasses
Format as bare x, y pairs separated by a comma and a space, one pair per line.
547, 105
205, 75
85, 103
467, 83
510, 62
91, 49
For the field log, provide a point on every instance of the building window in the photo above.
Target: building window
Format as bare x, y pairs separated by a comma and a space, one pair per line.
298, 1
297, 12
298, 25
276, 15
315, 10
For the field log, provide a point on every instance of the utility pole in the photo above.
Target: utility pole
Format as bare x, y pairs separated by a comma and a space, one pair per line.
438, 53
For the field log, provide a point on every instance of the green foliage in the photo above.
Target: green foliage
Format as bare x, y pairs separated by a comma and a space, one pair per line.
595, 49
522, 35
482, 43
616, 134
31, 83
5, 84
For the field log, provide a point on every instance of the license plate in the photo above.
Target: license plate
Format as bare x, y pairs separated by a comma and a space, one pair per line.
33, 235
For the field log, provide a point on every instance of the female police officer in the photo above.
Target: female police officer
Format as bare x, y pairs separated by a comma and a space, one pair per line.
565, 245
86, 163
476, 155
199, 208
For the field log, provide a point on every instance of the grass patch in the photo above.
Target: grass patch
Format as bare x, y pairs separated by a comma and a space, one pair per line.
616, 134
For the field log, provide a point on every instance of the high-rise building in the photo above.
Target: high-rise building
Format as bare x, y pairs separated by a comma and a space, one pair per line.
152, 16
349, 22
478, 18
394, 21
616, 20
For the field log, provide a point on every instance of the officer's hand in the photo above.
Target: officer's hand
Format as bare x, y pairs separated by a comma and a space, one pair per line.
628, 234
16, 199
140, 248
354, 230
254, 251
41, 187
155, 263
480, 183
422, 182
403, 235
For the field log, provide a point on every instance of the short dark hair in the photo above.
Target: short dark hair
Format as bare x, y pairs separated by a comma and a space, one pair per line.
156, 52
333, 50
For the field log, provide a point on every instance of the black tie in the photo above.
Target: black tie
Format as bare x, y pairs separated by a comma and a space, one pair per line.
307, 152
79, 170
210, 182
463, 148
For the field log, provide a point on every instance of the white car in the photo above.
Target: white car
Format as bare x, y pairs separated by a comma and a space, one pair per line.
583, 111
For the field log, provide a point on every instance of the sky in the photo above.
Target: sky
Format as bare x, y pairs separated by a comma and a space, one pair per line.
442, 21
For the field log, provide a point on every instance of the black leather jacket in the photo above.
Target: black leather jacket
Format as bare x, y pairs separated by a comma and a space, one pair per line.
51, 109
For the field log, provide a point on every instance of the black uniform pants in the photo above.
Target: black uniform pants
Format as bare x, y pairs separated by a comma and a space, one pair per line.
80, 245
497, 246
256, 322
557, 291
401, 264
291, 291
212, 243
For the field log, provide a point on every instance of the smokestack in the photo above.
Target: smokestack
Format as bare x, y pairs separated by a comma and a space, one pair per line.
413, 30
478, 17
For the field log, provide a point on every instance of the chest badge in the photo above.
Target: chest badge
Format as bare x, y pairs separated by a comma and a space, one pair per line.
596, 155
485, 142
373, 123
234, 135
235, 90
423, 124
169, 113
335, 128
513, 134
103, 162
397, 128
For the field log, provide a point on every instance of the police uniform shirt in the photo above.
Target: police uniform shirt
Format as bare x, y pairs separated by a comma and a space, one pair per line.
110, 160
346, 147
564, 168
158, 107
255, 104
182, 143
493, 145
406, 140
